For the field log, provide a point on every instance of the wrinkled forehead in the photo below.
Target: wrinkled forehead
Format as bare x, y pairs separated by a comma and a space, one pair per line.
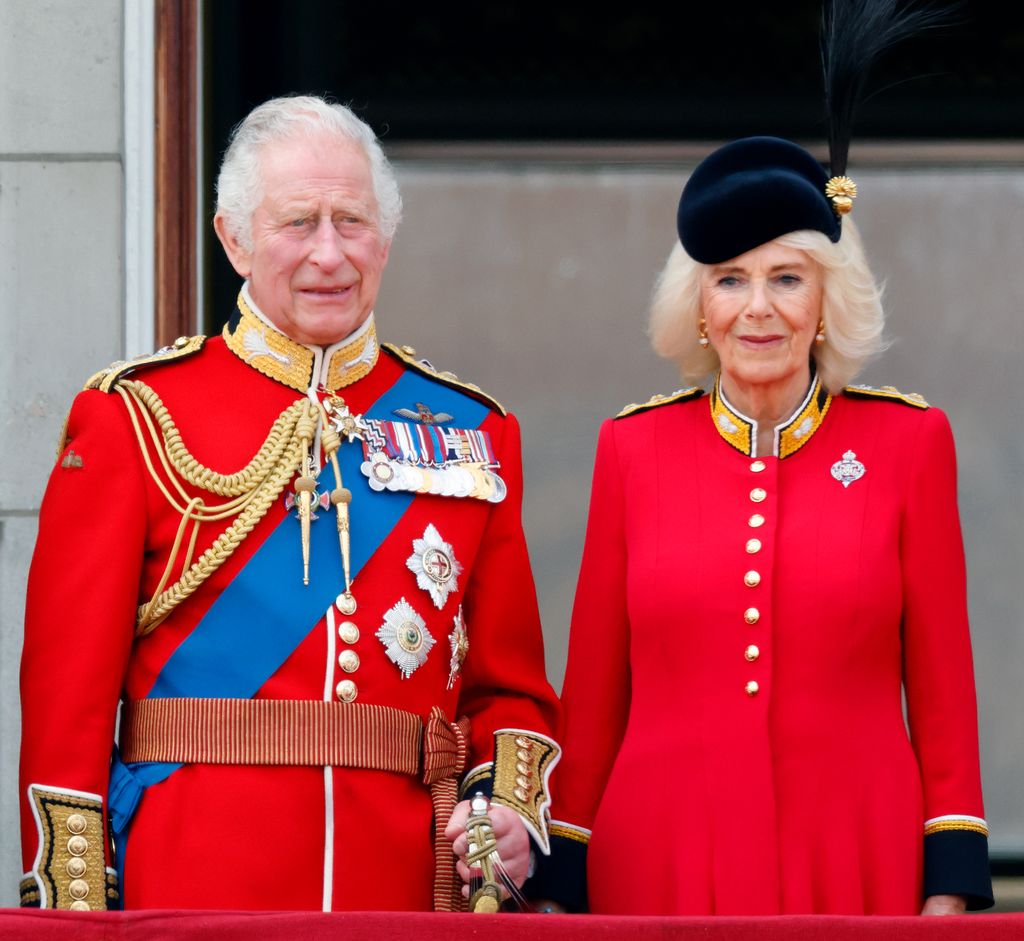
313, 163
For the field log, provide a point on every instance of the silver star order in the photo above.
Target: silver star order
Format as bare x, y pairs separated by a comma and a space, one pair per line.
434, 565
405, 638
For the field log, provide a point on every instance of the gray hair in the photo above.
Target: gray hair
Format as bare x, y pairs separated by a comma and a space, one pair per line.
240, 182
851, 307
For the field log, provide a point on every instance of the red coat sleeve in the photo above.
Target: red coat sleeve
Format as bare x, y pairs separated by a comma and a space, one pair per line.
82, 595
597, 691
938, 671
505, 692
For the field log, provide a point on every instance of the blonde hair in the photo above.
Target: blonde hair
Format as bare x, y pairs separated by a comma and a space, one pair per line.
851, 307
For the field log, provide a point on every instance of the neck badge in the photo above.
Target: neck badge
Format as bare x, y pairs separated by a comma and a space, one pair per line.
848, 469
405, 638
459, 642
434, 565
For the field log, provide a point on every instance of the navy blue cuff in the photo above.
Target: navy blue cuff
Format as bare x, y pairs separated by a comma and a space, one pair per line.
562, 876
956, 863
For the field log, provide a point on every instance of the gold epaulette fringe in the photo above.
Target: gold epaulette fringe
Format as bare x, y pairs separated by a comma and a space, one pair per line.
655, 401
891, 393
107, 378
248, 493
407, 355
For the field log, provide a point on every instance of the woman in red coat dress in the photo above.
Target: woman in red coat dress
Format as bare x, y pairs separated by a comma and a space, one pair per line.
768, 570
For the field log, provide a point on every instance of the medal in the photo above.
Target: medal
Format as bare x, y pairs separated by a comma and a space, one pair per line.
434, 565
459, 643
405, 638
848, 469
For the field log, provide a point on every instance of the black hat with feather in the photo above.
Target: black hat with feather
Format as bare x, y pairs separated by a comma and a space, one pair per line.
759, 188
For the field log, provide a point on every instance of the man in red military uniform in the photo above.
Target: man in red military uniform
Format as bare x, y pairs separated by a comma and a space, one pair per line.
294, 559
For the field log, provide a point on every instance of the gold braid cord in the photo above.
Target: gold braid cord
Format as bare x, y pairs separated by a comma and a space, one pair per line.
250, 492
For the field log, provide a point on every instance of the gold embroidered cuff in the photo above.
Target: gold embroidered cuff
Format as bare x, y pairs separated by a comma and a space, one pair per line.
522, 764
69, 870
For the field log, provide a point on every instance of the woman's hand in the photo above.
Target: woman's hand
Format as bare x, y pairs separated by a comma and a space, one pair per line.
509, 831
944, 905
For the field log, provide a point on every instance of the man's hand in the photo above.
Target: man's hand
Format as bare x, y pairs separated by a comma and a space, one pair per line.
944, 905
509, 831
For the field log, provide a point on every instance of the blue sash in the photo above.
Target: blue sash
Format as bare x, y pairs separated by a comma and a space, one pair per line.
266, 612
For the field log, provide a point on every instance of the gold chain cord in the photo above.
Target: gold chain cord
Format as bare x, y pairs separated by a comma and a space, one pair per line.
252, 490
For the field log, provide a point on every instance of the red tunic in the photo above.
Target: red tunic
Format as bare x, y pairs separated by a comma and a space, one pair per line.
742, 635
238, 836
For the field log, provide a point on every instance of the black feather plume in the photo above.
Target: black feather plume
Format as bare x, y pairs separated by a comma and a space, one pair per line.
854, 34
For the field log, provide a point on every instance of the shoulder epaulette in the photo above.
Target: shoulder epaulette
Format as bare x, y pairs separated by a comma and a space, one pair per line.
407, 355
107, 378
886, 392
655, 401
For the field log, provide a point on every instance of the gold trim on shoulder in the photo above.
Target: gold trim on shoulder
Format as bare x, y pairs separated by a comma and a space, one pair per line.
407, 355
887, 392
106, 379
522, 764
655, 401
795, 433
70, 868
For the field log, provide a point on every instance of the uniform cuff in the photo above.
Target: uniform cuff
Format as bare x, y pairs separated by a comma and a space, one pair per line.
956, 863
562, 876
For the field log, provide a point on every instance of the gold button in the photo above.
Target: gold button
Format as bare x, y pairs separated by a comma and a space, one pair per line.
523, 755
751, 653
78, 845
758, 466
751, 615
756, 520
348, 660
523, 768
346, 691
752, 688
522, 780
753, 545
523, 742
75, 867
79, 906
752, 579
408, 350
758, 494
181, 343
78, 888
76, 823
348, 632
520, 793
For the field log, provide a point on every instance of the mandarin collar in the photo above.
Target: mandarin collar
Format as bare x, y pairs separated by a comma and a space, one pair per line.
300, 366
791, 435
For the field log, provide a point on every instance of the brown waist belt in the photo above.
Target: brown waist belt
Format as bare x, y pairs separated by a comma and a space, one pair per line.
310, 732
271, 732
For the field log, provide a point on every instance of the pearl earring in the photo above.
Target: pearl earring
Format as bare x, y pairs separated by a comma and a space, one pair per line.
702, 334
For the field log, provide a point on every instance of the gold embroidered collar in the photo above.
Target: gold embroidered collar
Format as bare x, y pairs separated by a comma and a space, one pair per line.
790, 436
262, 346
